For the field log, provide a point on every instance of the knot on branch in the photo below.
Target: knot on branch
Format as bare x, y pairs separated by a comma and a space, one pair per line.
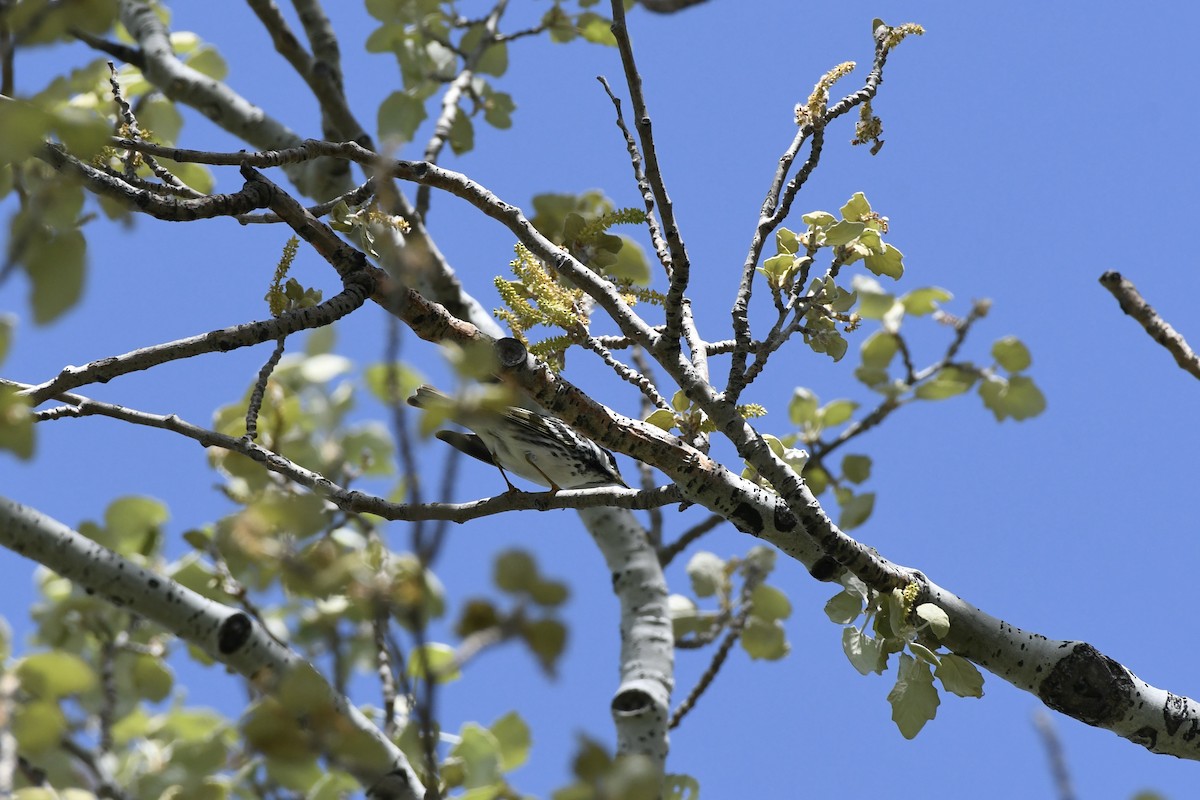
1089, 686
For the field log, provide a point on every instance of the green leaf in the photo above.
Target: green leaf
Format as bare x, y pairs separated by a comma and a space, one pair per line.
152, 679
920, 302
207, 61
16, 423
514, 740
498, 108
865, 652
939, 620
802, 408
494, 60
856, 468
547, 638
596, 29
320, 341
836, 412
161, 118
856, 509
406, 381
844, 232
707, 573
763, 639
890, 262
631, 263
55, 264
662, 418
515, 571
786, 241
873, 301
1012, 354
844, 607
923, 653
959, 676
134, 525
55, 674
400, 114
480, 754
914, 699
440, 659
879, 349
83, 130
769, 604
1017, 397
7, 326
856, 207
38, 726
549, 593
462, 134
819, 219
949, 381
23, 128
816, 479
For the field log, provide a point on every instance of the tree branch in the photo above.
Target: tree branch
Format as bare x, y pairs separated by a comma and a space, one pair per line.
1133, 304
226, 634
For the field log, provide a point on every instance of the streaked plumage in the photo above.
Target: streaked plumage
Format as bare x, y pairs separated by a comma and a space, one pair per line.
539, 448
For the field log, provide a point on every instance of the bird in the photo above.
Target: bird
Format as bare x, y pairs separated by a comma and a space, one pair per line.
537, 447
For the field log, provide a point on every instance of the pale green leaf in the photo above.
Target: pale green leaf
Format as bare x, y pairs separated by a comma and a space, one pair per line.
959, 676
55, 674
844, 607
879, 349
547, 638
802, 408
392, 384
938, 619
820, 219
515, 571
16, 423
480, 754
949, 382
1012, 354
55, 265
38, 726
439, 658
920, 302
662, 418
400, 114
786, 241
462, 134
865, 652
596, 29
1018, 397
769, 604
514, 740
763, 639
890, 262
914, 699
856, 468
856, 509
843, 232
707, 573
924, 653
856, 208
835, 412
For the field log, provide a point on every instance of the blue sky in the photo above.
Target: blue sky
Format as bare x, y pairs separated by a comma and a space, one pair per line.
1027, 151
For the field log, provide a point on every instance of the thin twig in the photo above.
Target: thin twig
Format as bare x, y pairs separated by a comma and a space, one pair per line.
1133, 304
667, 554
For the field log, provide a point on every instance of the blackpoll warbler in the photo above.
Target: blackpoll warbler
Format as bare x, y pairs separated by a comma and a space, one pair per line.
538, 448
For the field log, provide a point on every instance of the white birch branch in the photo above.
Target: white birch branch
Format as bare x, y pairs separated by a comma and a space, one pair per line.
226, 634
